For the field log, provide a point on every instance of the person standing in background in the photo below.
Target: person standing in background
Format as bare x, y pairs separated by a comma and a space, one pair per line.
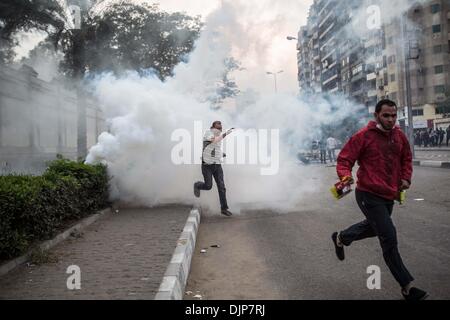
448, 134
323, 150
331, 147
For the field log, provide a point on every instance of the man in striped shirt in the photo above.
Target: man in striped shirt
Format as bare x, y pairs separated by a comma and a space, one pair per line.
211, 164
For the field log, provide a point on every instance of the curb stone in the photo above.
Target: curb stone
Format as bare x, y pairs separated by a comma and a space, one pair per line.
46, 245
174, 280
432, 164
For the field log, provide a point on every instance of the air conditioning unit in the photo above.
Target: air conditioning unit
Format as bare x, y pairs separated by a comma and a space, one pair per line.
437, 35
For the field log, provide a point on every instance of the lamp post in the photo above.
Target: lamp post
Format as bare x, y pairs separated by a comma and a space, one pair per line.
78, 9
274, 74
408, 55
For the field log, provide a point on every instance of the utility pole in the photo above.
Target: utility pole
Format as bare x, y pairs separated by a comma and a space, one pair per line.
78, 62
406, 45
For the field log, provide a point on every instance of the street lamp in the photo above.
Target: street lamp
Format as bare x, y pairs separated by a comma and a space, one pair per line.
408, 55
78, 10
274, 74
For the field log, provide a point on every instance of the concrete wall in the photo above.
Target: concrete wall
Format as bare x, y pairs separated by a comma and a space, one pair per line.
38, 120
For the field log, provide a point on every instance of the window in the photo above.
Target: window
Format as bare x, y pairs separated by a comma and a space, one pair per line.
439, 89
393, 96
435, 8
391, 40
443, 110
417, 112
436, 28
437, 49
438, 69
391, 59
393, 77
357, 69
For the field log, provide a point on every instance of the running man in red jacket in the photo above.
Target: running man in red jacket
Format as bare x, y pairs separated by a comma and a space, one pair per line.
385, 168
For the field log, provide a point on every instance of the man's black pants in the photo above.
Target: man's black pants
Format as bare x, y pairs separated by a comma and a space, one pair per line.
323, 156
379, 224
214, 170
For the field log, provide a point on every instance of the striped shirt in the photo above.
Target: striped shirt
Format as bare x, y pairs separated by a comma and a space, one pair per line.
212, 151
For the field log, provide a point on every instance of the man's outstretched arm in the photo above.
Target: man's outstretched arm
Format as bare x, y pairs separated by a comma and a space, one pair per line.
222, 136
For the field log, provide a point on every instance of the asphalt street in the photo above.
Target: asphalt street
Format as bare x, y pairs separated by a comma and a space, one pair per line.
289, 256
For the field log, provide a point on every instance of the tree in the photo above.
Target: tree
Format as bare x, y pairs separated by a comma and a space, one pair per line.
134, 37
226, 87
23, 15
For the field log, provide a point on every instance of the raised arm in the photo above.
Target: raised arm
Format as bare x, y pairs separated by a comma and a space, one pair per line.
221, 137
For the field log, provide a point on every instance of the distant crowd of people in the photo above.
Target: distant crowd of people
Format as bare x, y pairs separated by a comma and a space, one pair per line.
432, 137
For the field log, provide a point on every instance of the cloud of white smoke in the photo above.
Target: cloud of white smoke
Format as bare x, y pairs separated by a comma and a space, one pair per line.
143, 113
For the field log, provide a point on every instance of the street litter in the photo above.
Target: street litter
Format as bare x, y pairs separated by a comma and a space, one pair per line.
203, 251
188, 292
145, 279
215, 246
419, 199
198, 296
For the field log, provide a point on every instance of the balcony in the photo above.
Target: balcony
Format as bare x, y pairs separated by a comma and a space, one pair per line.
358, 77
371, 76
322, 36
328, 80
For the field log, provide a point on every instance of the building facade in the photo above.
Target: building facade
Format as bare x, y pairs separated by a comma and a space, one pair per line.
39, 120
369, 66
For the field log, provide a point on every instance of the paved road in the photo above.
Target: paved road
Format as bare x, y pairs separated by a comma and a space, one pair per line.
122, 256
268, 255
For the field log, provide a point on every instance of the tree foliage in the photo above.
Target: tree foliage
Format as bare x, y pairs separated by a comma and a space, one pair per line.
132, 37
124, 36
23, 15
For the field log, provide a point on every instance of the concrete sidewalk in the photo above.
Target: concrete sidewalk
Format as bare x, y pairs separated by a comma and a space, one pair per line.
121, 256
443, 148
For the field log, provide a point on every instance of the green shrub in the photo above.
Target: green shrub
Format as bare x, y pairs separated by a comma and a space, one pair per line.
34, 208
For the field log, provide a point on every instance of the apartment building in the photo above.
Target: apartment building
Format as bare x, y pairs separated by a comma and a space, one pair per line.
426, 33
331, 58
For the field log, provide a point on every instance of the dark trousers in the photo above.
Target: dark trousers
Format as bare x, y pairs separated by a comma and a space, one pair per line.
332, 155
214, 170
323, 156
379, 224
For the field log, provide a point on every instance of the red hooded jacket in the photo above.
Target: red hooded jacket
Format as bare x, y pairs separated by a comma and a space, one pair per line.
384, 159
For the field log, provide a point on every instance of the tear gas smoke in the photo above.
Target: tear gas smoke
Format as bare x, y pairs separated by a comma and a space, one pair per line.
143, 112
